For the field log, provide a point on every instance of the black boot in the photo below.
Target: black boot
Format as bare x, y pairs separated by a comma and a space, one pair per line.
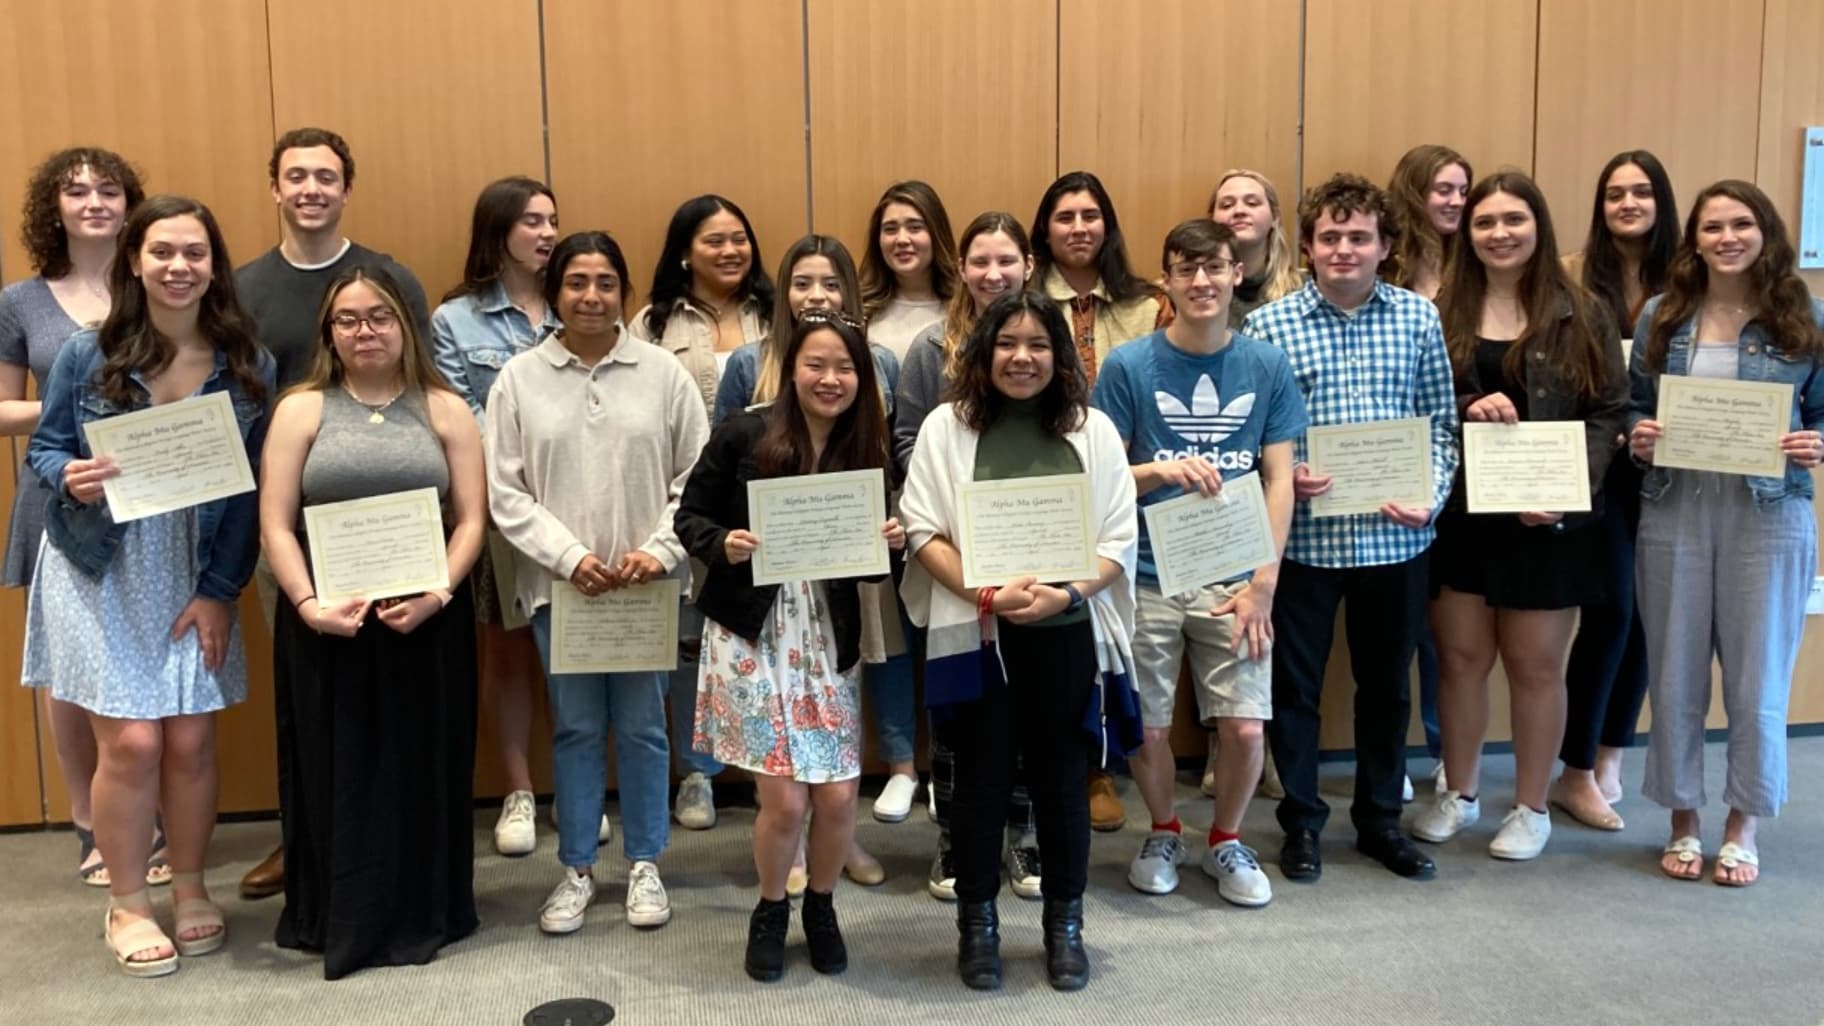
1065, 960
766, 940
828, 954
978, 945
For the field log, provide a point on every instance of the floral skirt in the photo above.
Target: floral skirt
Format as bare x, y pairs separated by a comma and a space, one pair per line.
776, 705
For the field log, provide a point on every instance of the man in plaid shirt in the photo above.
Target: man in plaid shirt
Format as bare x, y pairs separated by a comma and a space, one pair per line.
1361, 350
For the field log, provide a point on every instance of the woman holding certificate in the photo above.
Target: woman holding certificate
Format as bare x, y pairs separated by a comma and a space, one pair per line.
1726, 553
1526, 345
381, 687
133, 619
778, 686
1056, 682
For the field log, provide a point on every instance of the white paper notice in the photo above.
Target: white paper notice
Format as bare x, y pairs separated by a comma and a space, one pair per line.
1199, 540
1373, 463
1719, 424
172, 456
379, 547
627, 630
1538, 466
818, 527
1027, 527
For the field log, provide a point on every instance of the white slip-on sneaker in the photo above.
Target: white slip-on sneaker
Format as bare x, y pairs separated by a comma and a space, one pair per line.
1447, 814
1155, 869
513, 831
569, 901
1522, 835
1236, 869
696, 805
895, 801
647, 902
1406, 790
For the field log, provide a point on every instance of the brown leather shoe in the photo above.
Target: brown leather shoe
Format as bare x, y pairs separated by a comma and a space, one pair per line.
267, 878
1105, 811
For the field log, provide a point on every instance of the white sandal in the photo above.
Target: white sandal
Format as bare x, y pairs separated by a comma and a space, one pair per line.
1732, 856
1688, 849
137, 936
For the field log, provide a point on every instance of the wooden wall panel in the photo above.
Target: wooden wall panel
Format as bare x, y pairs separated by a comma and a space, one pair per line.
1599, 95
1159, 138
1384, 77
436, 98
21, 797
971, 109
649, 105
1792, 98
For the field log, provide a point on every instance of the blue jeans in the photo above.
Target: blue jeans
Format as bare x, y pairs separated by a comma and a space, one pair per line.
890, 696
584, 707
683, 688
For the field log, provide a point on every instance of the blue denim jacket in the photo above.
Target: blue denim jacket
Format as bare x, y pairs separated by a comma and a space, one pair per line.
1759, 362
736, 390
227, 530
474, 336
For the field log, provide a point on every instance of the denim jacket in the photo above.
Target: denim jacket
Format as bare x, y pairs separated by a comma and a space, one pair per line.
473, 337
1759, 361
227, 530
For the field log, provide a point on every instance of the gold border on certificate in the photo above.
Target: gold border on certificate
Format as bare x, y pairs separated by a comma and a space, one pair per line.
589, 633
185, 479
1740, 425
396, 514
842, 549
1407, 481
1233, 521
1535, 466
1054, 539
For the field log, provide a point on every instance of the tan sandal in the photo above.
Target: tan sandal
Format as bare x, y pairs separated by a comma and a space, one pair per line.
864, 868
1732, 856
1689, 850
197, 914
139, 936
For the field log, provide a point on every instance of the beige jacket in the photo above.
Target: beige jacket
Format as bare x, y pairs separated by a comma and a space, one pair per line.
690, 335
1115, 323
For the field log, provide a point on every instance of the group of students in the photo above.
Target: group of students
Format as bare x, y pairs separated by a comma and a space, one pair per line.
575, 446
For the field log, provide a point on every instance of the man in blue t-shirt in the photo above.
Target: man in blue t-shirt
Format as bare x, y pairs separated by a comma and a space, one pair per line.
1197, 404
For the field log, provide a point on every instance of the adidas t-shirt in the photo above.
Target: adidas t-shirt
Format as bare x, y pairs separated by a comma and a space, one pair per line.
1169, 404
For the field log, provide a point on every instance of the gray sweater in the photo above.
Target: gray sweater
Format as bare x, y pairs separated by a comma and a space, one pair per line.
920, 390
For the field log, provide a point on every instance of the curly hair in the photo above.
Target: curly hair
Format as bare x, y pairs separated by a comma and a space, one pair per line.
1063, 403
1342, 196
41, 218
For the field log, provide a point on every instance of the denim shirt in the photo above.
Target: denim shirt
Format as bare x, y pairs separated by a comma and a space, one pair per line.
736, 390
473, 336
1759, 361
227, 530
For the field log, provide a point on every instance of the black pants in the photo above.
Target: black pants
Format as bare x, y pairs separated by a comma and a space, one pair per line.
1386, 605
1035, 721
1606, 677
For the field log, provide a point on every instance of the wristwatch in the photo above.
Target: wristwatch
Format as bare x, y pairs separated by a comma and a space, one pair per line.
1076, 598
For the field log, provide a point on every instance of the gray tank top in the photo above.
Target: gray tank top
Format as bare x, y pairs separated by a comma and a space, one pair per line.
354, 458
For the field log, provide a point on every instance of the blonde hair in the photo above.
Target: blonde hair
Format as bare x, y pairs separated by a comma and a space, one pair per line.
1282, 276
416, 370
960, 316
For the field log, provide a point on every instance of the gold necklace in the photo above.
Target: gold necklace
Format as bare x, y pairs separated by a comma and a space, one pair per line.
376, 414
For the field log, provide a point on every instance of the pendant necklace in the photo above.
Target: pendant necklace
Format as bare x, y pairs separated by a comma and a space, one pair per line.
376, 414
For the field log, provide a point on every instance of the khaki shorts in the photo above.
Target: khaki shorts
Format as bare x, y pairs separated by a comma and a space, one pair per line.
1229, 685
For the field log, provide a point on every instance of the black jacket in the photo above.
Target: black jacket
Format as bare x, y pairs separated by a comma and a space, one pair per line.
715, 503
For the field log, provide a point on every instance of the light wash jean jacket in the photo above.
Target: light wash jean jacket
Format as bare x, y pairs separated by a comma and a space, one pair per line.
473, 337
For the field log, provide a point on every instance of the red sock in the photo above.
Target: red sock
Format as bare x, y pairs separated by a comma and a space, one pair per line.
1175, 826
1219, 836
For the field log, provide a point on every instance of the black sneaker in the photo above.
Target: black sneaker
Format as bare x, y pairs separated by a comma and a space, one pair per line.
766, 940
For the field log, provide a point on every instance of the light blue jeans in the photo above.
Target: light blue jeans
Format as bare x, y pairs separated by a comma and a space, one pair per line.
584, 707
892, 700
683, 689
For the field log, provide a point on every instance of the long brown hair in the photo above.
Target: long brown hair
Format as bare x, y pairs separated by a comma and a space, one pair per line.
771, 367
1543, 288
960, 316
1782, 302
858, 440
878, 282
499, 207
416, 370
129, 340
979, 403
1419, 243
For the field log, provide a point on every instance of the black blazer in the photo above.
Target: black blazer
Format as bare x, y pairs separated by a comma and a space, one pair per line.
715, 503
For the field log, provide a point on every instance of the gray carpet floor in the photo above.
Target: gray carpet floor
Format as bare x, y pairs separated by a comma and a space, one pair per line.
1589, 933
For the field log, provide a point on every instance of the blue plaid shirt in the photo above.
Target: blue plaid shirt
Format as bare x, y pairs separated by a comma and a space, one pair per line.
1384, 361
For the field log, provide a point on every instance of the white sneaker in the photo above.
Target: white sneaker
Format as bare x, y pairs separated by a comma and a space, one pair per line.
647, 902
895, 801
1155, 869
1406, 789
1439, 782
1025, 874
931, 803
569, 900
513, 831
696, 805
942, 882
1522, 836
603, 833
1236, 869
1446, 815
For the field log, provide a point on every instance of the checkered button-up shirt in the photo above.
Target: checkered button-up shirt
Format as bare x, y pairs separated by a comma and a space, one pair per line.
1382, 361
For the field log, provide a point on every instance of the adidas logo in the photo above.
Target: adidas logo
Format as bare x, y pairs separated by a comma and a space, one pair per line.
1207, 420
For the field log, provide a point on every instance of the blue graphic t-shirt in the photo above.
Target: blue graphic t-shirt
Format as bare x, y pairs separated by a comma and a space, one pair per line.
1169, 404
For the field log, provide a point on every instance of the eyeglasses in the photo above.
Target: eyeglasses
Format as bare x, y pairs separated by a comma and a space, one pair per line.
349, 324
819, 315
1215, 267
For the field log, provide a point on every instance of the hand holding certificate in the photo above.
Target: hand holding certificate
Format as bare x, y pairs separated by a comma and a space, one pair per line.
377, 547
818, 526
1719, 424
1539, 466
172, 456
1370, 465
1200, 540
627, 630
1035, 527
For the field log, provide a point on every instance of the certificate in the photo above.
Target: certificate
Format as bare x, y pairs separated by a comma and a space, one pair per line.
1540, 466
379, 547
626, 630
1027, 527
1374, 463
1724, 425
817, 527
1199, 540
172, 456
